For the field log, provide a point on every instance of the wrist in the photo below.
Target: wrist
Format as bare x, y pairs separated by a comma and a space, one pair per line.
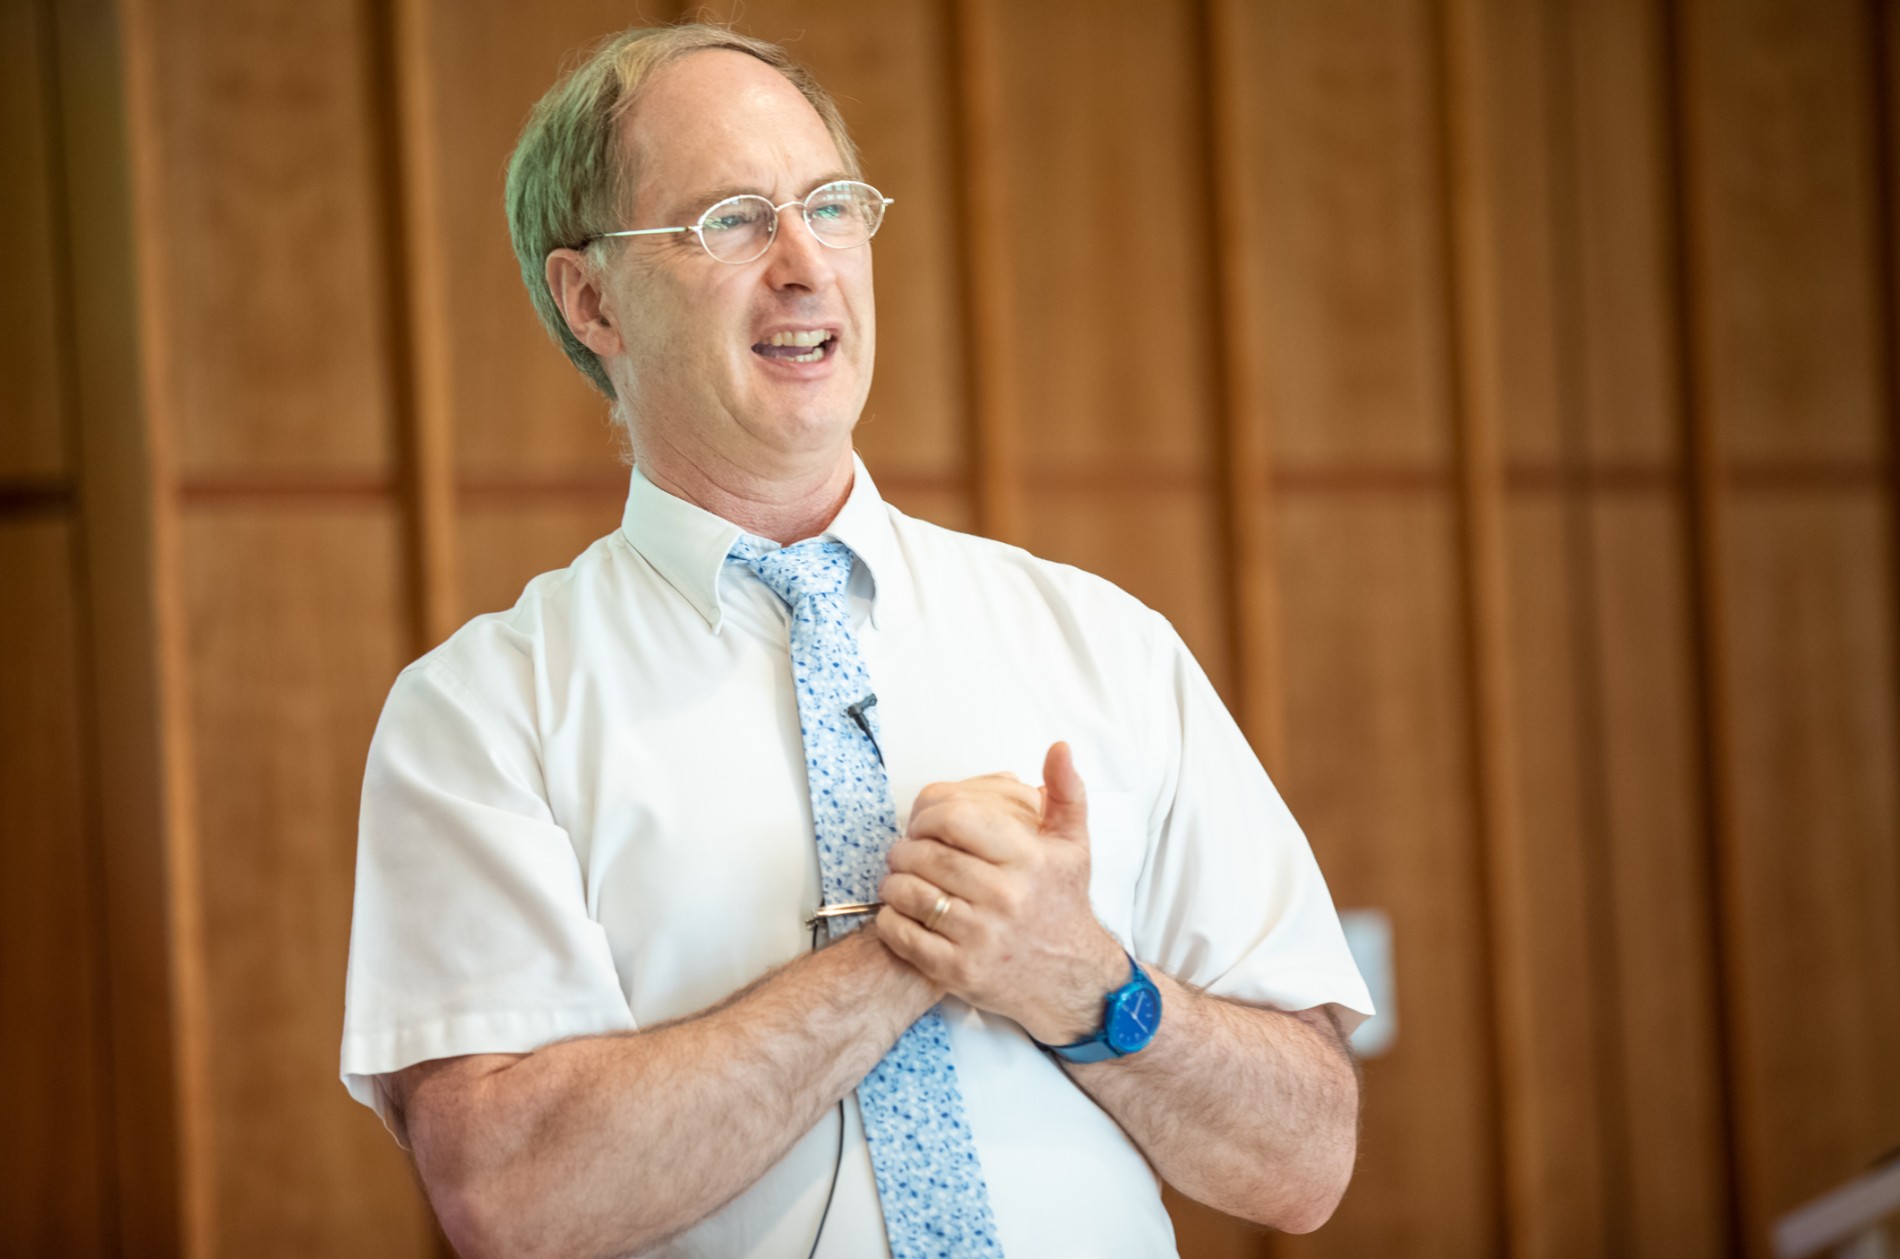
1131, 1015
927, 990
1078, 1011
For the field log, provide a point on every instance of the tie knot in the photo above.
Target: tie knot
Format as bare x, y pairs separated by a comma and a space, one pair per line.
816, 566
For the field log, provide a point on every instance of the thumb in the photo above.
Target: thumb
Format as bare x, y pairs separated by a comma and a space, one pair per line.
1065, 806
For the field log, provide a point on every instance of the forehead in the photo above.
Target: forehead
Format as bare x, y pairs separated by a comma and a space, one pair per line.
720, 118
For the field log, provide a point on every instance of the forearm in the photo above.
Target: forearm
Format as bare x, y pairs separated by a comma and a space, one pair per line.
609, 1144
1252, 1111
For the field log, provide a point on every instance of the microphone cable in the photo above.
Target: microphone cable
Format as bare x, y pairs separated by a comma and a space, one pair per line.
837, 1162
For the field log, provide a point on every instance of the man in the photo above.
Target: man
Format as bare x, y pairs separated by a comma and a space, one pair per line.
582, 988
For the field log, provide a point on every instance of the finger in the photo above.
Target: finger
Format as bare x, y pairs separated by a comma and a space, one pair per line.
1065, 807
994, 830
958, 873
929, 952
1002, 782
916, 899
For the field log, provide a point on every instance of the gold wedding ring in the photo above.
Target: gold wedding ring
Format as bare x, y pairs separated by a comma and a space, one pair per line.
937, 911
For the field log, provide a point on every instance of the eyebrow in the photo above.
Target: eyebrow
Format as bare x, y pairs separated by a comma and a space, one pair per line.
691, 206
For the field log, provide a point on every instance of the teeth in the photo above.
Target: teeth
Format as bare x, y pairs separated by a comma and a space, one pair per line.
814, 336
813, 357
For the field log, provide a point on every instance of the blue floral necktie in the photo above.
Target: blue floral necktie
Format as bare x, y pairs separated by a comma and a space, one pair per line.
923, 1154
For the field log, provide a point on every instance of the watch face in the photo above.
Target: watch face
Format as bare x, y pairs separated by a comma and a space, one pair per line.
1133, 1023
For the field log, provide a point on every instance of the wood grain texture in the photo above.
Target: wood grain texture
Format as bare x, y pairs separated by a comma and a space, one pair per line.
1626, 373
130, 654
1664, 1120
1339, 168
1783, 195
1785, 359
1089, 221
32, 445
418, 299
993, 372
1503, 259
1380, 776
56, 1180
267, 209
297, 625
516, 402
1816, 884
1667, 1071
1243, 426
1101, 170
1506, 174
1552, 905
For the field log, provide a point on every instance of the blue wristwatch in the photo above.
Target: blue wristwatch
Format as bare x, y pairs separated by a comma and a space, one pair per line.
1130, 1017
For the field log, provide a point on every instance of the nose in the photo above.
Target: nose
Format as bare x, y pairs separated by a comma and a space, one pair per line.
796, 259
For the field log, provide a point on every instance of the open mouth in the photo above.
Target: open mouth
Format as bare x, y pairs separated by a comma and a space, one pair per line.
809, 345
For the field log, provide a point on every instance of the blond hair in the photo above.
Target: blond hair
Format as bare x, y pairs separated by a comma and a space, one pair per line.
567, 179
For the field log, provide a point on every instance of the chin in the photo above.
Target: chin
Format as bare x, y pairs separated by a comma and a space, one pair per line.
809, 434
815, 424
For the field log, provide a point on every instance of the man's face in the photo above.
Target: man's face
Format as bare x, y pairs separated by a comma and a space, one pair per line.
699, 373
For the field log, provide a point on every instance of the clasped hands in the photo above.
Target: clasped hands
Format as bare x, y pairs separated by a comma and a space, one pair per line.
1016, 935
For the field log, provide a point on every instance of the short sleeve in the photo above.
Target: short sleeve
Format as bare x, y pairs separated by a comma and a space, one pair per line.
1231, 898
471, 932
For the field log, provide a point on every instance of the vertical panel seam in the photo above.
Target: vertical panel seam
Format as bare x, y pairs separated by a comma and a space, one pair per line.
140, 112
1578, 500
1885, 155
1244, 486
1451, 159
988, 316
86, 697
415, 338
1702, 495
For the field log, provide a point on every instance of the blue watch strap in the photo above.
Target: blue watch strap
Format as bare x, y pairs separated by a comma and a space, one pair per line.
1095, 1049
1102, 1045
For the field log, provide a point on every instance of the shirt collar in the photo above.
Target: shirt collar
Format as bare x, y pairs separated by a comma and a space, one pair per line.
688, 545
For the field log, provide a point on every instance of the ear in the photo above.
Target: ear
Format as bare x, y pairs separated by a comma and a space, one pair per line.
577, 294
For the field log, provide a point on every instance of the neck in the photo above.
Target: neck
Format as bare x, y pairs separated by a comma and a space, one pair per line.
787, 504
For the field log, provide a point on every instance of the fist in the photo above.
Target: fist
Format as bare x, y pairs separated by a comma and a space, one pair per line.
988, 896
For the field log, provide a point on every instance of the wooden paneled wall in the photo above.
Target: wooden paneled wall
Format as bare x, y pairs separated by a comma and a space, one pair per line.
1502, 397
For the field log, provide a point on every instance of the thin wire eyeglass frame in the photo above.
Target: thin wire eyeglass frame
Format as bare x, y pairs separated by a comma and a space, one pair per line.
698, 228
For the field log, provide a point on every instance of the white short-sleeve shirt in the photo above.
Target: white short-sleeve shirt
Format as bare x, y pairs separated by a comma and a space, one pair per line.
588, 814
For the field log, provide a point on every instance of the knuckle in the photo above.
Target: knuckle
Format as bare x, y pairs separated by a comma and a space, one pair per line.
1013, 901
964, 815
917, 859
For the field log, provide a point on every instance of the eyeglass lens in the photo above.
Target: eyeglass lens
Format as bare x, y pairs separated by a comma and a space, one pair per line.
841, 215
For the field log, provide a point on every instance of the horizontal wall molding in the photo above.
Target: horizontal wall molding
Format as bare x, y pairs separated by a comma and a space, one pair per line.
34, 498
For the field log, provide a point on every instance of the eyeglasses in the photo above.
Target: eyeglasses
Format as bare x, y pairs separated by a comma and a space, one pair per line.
843, 214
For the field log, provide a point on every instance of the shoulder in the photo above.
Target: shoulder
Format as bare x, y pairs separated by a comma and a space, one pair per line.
494, 657
1008, 579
